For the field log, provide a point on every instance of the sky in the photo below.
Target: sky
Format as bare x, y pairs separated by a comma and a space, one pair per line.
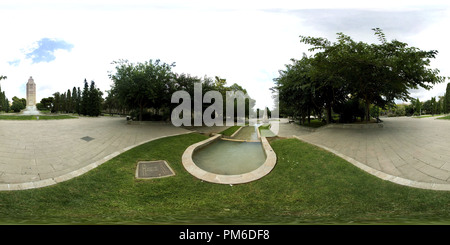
61, 43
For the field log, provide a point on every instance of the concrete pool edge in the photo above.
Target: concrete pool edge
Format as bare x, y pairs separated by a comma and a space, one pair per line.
256, 174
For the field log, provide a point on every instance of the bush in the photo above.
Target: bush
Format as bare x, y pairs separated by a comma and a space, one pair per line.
17, 106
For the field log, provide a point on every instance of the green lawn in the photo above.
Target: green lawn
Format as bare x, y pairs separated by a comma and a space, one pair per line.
308, 185
424, 116
229, 131
446, 117
34, 117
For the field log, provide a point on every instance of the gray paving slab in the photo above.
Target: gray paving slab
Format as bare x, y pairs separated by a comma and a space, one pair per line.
409, 151
37, 153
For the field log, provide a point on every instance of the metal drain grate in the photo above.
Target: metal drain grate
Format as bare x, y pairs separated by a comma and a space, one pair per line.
153, 169
87, 138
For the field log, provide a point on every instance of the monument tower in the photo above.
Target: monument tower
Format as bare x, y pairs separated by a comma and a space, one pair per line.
31, 92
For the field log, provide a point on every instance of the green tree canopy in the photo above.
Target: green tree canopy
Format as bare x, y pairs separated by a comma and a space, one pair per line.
446, 102
142, 85
18, 104
377, 74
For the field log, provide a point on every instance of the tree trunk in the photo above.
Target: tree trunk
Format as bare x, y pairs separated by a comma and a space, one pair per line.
309, 116
328, 113
367, 111
141, 111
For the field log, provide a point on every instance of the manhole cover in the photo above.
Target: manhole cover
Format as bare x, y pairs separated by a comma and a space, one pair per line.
87, 138
153, 169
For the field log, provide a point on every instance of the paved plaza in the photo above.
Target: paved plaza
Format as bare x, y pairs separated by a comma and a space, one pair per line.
40, 153
408, 151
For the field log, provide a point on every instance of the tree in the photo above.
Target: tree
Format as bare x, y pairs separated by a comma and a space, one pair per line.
68, 101
440, 106
433, 105
427, 107
409, 109
298, 91
447, 99
46, 103
143, 85
78, 101
7, 106
56, 102
18, 104
186, 83
2, 100
94, 101
74, 100
110, 104
376, 73
24, 102
417, 106
84, 104
63, 103
249, 103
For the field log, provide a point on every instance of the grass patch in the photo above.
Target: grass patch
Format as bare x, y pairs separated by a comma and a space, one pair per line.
264, 127
308, 185
423, 116
229, 131
446, 117
35, 117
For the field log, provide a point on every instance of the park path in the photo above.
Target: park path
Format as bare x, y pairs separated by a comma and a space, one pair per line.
408, 151
40, 153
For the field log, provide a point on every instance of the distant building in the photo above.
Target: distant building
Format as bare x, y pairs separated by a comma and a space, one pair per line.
31, 92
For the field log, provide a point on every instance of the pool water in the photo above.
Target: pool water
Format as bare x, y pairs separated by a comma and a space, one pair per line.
230, 157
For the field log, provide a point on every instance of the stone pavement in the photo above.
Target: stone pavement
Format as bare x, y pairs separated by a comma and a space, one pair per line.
41, 153
407, 151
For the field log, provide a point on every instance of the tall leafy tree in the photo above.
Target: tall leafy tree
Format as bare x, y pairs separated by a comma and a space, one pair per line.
143, 85
94, 100
433, 105
84, 103
299, 93
74, 100
417, 106
2, 100
68, 101
18, 104
63, 103
375, 73
447, 99
56, 102
47, 103
78, 101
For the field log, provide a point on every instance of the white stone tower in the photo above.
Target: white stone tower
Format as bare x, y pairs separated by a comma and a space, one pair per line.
31, 92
